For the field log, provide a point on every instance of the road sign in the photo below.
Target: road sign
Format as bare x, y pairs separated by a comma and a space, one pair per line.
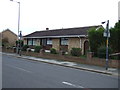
105, 34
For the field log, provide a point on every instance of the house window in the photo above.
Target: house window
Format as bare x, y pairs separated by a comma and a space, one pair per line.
29, 41
64, 41
34, 42
49, 41
44, 42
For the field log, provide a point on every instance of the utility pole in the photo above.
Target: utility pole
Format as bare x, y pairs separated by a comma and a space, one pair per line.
107, 41
107, 35
17, 49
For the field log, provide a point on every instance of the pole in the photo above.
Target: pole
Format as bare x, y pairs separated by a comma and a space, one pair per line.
18, 26
107, 53
107, 41
17, 48
20, 43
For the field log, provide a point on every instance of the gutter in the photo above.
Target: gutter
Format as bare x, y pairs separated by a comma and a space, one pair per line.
58, 36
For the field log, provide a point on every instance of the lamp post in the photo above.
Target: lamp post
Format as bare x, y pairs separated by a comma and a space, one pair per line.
107, 35
17, 49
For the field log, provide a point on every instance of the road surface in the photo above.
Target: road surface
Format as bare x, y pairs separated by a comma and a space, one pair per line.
23, 73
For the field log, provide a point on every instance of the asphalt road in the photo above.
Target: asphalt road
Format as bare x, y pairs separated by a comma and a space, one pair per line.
23, 73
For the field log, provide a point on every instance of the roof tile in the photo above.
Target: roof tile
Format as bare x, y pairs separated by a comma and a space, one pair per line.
62, 32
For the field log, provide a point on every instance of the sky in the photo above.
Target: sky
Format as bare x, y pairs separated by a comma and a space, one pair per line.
38, 15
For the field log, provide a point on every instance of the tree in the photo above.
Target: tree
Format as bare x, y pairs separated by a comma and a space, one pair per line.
96, 39
115, 37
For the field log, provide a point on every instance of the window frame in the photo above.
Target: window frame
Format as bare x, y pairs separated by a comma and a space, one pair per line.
49, 41
64, 41
30, 41
34, 42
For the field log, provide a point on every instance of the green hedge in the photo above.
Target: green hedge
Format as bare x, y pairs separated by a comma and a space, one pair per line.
38, 48
102, 52
20, 42
24, 48
53, 51
76, 51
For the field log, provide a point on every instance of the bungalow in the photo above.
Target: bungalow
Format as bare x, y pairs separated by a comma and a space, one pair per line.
60, 39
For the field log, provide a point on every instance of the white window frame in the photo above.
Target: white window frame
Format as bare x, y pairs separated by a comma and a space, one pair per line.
29, 41
49, 41
64, 41
34, 42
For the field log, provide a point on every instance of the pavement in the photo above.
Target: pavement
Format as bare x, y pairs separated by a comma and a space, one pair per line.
23, 73
92, 68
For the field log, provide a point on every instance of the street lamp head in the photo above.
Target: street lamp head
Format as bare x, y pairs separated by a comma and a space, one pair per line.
15, 1
103, 22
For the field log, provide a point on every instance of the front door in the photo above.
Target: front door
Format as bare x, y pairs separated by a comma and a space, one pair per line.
86, 47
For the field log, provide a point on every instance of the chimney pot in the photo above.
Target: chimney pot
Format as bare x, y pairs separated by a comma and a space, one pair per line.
47, 28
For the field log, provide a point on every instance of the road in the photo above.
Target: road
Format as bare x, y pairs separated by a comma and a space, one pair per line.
23, 73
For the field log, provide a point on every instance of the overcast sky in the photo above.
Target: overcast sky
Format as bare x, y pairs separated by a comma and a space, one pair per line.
38, 15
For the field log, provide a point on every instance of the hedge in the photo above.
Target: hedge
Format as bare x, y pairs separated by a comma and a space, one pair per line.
76, 51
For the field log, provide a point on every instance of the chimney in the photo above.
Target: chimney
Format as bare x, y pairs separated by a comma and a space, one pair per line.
47, 29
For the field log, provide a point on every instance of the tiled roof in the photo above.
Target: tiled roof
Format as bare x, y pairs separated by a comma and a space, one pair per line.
62, 32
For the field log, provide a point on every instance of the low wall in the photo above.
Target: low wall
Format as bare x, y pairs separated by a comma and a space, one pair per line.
91, 61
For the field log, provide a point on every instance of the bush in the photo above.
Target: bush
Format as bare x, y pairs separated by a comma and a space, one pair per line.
76, 51
19, 42
102, 52
53, 51
24, 48
37, 49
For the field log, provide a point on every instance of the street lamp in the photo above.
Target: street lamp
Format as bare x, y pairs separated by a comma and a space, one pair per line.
17, 49
107, 35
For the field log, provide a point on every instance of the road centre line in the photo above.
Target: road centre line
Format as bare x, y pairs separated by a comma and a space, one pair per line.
70, 84
19, 68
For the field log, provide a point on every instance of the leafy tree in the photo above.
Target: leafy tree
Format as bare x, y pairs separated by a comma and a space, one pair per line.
115, 37
96, 39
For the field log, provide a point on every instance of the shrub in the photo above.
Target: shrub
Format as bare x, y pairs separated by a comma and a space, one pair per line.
76, 51
53, 51
37, 49
19, 42
24, 48
102, 52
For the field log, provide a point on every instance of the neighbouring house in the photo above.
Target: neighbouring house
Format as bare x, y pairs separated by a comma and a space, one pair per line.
9, 37
60, 39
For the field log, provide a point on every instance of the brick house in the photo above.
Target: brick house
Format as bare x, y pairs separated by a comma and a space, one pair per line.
10, 36
60, 39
